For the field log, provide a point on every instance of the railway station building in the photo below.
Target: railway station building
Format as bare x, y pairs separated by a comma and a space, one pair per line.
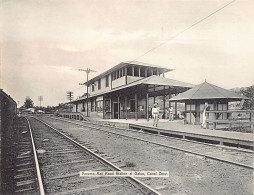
129, 90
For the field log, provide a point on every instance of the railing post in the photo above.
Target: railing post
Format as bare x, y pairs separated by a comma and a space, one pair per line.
214, 125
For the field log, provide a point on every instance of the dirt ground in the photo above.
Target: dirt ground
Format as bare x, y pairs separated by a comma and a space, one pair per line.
189, 174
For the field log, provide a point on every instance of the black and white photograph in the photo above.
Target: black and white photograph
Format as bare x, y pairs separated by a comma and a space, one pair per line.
127, 97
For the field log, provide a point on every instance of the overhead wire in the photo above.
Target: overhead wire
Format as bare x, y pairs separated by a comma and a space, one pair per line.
181, 32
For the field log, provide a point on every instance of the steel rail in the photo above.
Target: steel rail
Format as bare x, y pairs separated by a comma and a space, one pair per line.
41, 187
168, 146
135, 182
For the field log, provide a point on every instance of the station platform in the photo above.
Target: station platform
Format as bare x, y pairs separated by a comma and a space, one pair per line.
178, 129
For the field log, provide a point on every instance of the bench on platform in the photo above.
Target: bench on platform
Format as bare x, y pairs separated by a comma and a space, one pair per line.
215, 122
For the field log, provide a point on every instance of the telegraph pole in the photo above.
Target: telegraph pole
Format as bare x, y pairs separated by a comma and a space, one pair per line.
40, 98
88, 70
69, 96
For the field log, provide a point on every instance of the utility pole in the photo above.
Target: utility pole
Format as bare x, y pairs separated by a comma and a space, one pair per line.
69, 96
88, 70
40, 98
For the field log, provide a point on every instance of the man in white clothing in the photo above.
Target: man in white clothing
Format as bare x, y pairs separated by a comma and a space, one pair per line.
155, 113
171, 115
204, 116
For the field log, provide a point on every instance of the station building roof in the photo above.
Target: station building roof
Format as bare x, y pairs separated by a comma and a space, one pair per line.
2, 93
136, 63
205, 91
152, 80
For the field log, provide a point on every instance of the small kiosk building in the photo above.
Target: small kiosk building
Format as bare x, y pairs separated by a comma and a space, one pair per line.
216, 97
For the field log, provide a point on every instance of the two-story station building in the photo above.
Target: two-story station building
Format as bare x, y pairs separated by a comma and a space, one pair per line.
129, 90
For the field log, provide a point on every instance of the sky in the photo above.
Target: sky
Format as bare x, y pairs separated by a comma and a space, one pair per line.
45, 42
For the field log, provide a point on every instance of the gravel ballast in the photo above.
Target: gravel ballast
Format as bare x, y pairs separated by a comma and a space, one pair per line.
189, 174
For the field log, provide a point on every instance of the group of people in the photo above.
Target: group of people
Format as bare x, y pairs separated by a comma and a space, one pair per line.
156, 111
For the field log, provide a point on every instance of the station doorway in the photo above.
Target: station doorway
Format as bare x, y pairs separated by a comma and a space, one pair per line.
115, 110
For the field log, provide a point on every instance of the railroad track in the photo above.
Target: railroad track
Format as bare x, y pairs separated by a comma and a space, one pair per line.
60, 160
235, 156
25, 178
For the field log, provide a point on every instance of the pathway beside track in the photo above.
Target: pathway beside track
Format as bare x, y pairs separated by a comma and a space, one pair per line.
234, 156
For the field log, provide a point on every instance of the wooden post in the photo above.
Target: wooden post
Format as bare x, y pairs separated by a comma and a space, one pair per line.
145, 72
185, 113
103, 107
132, 70
111, 80
139, 71
147, 105
169, 94
126, 75
154, 94
176, 108
118, 107
197, 118
251, 124
214, 125
136, 105
126, 105
111, 109
164, 102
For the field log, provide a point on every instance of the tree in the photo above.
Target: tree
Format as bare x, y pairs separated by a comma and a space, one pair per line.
249, 93
28, 103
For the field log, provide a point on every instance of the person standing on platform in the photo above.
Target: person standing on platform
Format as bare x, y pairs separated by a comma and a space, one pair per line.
155, 113
204, 116
171, 115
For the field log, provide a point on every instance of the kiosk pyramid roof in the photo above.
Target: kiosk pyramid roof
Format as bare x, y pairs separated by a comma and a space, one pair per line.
207, 91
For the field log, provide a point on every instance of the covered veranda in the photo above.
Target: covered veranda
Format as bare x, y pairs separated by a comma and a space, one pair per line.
135, 100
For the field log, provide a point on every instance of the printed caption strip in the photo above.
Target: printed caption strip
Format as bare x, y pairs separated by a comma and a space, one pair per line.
124, 173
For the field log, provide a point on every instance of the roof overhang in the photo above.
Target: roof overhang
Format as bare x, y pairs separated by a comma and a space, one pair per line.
152, 80
123, 64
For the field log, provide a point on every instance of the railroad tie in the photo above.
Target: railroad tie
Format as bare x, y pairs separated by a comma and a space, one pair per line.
71, 174
27, 182
24, 164
67, 163
96, 187
63, 152
22, 176
28, 169
25, 190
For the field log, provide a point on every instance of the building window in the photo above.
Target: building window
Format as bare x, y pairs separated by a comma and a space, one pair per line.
129, 71
149, 72
114, 75
142, 72
117, 74
99, 84
123, 72
132, 102
136, 71
107, 82
99, 105
93, 86
92, 105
